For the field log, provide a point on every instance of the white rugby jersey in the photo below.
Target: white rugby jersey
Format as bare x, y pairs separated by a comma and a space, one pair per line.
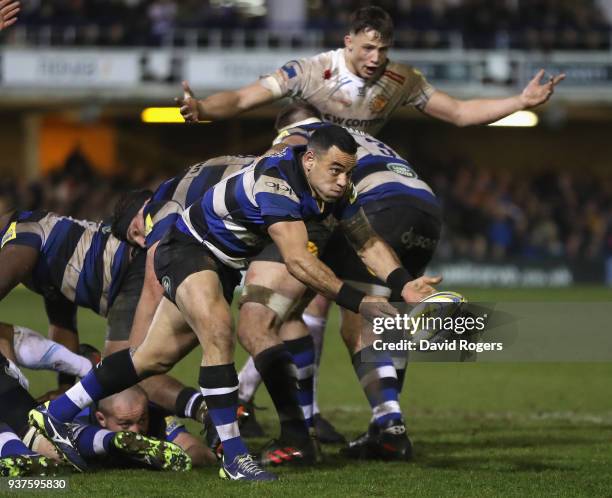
343, 97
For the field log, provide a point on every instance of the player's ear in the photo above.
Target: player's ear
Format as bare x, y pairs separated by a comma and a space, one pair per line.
100, 418
348, 41
309, 160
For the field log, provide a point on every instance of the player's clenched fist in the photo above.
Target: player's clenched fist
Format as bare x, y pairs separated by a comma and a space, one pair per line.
189, 105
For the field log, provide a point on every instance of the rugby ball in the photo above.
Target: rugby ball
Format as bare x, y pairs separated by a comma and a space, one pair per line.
433, 315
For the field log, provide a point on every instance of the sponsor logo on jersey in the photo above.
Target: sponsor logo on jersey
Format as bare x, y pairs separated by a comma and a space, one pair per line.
351, 123
148, 224
401, 169
378, 103
279, 187
10, 234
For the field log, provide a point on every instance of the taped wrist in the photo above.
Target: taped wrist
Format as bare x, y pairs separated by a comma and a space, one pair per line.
350, 298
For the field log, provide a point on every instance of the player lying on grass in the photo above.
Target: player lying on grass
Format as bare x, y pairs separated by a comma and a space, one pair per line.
79, 263
405, 213
96, 428
36, 454
197, 263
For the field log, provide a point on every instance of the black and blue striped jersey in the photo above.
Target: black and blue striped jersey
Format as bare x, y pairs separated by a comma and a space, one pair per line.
231, 218
179, 192
80, 260
381, 173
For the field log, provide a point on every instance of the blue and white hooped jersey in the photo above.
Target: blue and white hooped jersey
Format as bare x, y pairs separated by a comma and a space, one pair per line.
381, 173
231, 219
79, 259
175, 194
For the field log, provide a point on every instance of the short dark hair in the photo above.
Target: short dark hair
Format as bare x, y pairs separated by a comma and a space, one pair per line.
294, 112
372, 18
126, 208
325, 137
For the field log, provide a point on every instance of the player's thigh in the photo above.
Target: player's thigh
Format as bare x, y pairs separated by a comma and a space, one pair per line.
200, 298
168, 340
274, 276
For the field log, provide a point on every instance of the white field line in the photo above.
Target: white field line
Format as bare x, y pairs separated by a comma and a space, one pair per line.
604, 418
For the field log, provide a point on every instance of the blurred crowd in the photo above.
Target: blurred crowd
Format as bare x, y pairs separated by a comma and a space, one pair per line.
489, 214
486, 24
492, 214
521, 24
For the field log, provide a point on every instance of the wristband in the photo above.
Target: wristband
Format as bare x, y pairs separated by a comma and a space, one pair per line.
350, 298
396, 281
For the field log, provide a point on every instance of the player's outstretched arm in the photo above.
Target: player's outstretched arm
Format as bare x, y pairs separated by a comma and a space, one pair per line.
8, 13
291, 238
485, 111
222, 105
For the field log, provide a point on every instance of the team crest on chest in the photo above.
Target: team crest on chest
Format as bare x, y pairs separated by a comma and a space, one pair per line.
378, 103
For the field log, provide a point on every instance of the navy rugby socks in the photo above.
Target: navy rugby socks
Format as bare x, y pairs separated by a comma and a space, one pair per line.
303, 353
11, 445
219, 386
112, 375
280, 376
378, 379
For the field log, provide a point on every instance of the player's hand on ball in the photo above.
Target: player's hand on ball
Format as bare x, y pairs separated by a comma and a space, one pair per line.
188, 105
536, 93
418, 289
375, 306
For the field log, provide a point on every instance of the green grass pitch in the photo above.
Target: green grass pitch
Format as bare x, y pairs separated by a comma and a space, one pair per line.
478, 429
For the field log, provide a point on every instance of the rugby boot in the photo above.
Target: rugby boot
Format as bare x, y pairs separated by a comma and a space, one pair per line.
387, 442
249, 427
244, 468
58, 434
154, 453
29, 465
